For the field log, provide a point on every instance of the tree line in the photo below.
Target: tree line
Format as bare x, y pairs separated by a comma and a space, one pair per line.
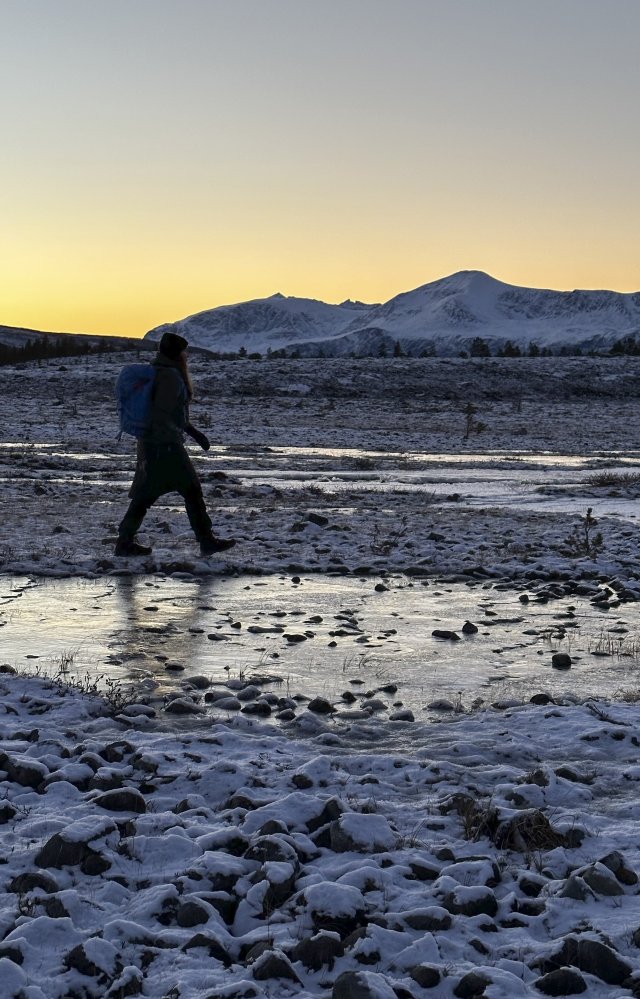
46, 347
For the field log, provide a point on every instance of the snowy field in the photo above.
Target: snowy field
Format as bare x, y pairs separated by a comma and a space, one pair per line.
295, 841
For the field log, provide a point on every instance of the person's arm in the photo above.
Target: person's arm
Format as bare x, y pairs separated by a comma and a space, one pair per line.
197, 436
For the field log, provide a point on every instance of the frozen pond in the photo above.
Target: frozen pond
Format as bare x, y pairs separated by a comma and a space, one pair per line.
516, 479
319, 636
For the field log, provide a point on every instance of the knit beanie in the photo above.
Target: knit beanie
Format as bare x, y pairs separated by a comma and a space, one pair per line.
172, 345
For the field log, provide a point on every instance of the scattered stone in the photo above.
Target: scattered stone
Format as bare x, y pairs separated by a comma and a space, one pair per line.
563, 982
469, 628
430, 920
274, 964
58, 852
426, 976
127, 799
362, 833
183, 706
590, 956
210, 943
192, 913
601, 880
361, 985
381, 588
616, 863
447, 636
32, 881
472, 986
561, 660
317, 951
475, 901
321, 706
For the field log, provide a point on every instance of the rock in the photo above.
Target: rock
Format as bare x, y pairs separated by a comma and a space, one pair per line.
317, 951
574, 887
362, 833
192, 913
563, 982
449, 636
7, 812
423, 872
337, 908
26, 772
200, 682
616, 863
268, 849
96, 958
31, 881
590, 956
228, 703
472, 986
426, 976
183, 706
54, 908
58, 853
259, 708
321, 706
430, 920
11, 952
471, 902
115, 752
127, 799
601, 880
361, 985
561, 660
211, 943
129, 983
469, 628
274, 964
293, 637
403, 715
541, 699
318, 519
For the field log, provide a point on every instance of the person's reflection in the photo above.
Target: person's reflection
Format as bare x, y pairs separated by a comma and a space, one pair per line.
159, 624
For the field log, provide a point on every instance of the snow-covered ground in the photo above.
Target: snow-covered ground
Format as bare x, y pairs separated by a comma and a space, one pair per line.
277, 846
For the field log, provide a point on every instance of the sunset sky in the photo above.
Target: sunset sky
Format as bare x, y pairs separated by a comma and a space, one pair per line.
160, 157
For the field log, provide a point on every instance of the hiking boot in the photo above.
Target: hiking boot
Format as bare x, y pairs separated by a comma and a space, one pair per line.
129, 546
211, 546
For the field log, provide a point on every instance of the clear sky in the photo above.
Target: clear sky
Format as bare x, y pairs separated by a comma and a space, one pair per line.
160, 157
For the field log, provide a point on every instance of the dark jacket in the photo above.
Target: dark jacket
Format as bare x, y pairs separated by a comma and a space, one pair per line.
170, 410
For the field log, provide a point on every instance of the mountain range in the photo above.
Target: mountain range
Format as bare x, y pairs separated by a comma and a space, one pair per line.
444, 317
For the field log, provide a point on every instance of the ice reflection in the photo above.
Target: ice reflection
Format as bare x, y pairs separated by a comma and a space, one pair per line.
345, 636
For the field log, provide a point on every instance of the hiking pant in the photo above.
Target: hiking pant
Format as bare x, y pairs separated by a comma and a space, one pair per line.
165, 468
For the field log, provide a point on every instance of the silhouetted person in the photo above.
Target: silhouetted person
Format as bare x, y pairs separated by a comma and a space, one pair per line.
163, 463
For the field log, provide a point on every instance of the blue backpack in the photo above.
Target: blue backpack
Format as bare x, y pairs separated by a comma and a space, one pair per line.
134, 393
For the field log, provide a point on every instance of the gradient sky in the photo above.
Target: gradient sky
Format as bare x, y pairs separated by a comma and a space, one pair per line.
160, 157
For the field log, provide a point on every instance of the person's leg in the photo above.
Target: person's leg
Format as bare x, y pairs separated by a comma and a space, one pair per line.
197, 511
129, 525
201, 521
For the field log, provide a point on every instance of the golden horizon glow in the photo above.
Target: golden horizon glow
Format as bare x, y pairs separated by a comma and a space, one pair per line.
162, 159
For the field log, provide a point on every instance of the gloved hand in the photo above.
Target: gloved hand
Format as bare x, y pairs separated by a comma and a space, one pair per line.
201, 439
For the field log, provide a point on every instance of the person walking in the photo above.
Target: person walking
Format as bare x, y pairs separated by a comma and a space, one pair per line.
163, 464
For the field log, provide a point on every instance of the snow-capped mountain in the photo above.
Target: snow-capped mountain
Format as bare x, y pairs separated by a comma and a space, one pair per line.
443, 317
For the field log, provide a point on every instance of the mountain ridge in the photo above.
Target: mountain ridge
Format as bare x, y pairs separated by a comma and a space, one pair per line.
441, 317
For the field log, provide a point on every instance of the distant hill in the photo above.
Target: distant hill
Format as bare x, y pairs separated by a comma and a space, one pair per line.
19, 344
445, 317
